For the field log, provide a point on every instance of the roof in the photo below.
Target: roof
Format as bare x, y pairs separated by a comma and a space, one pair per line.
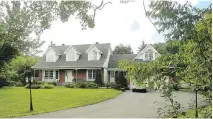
81, 62
115, 58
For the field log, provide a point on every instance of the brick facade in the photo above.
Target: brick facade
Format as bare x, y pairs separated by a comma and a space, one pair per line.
81, 74
40, 75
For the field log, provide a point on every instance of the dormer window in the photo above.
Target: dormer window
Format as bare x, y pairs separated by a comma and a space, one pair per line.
71, 54
51, 55
94, 53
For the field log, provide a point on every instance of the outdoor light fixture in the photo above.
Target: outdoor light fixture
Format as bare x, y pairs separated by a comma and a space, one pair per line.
27, 74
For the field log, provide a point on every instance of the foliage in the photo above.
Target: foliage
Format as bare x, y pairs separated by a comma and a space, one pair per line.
98, 78
47, 86
33, 86
14, 71
120, 79
160, 47
81, 85
122, 49
18, 84
58, 98
109, 84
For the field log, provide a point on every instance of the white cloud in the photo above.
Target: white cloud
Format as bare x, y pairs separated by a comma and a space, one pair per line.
113, 25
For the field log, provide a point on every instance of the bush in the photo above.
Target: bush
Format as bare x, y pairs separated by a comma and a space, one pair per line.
18, 84
53, 83
81, 85
91, 85
2, 80
33, 86
98, 79
78, 80
47, 86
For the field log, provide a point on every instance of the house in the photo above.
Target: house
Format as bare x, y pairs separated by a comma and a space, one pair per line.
67, 62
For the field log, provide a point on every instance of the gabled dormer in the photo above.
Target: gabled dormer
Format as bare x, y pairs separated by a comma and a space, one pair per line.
93, 53
51, 55
148, 53
72, 54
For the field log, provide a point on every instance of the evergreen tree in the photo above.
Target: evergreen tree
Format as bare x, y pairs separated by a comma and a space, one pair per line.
98, 78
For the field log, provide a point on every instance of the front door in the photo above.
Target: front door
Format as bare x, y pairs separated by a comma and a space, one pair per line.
68, 76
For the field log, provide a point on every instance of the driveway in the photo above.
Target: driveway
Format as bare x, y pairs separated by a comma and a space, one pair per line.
126, 105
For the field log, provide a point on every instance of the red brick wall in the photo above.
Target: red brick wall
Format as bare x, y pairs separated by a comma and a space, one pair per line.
40, 74
62, 76
81, 74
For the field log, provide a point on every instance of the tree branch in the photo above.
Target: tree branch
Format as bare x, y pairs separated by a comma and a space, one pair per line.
99, 8
149, 18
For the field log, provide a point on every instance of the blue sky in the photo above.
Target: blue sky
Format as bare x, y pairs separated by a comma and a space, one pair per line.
203, 4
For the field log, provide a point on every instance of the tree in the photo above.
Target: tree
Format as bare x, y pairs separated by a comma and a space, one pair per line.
142, 46
14, 71
98, 78
160, 47
122, 49
19, 21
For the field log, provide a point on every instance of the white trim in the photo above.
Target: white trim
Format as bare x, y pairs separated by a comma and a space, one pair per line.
72, 48
65, 77
92, 75
49, 49
94, 47
142, 51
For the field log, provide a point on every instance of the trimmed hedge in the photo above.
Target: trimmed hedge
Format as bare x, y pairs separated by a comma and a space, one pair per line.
81, 85
33, 86
47, 86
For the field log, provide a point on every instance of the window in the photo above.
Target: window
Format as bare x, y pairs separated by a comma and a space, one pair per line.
36, 73
91, 75
112, 74
70, 57
48, 75
150, 54
94, 55
146, 56
56, 74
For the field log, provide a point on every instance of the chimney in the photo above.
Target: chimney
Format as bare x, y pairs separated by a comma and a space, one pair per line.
63, 44
96, 43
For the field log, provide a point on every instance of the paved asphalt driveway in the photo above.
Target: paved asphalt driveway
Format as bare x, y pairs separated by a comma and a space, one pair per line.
126, 105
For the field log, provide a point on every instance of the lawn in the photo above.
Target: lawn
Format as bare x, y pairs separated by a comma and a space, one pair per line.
14, 101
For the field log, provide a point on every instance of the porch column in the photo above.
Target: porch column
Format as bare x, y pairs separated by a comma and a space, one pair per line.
105, 75
76, 74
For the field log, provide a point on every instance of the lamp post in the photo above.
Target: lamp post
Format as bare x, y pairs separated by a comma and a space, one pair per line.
171, 68
30, 84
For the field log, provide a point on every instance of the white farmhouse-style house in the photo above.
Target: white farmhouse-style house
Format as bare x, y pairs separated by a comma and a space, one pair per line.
67, 62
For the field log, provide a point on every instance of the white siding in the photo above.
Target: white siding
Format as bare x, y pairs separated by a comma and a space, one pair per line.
51, 56
72, 55
143, 53
91, 54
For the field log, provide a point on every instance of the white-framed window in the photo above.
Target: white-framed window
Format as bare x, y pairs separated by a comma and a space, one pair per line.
56, 74
49, 74
91, 75
95, 54
146, 56
112, 74
70, 57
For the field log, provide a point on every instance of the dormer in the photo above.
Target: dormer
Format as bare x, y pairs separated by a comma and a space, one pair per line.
93, 53
147, 54
51, 55
72, 54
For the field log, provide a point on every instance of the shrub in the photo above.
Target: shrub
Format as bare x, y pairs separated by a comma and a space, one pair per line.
78, 80
91, 85
117, 86
109, 85
53, 83
33, 86
18, 84
98, 79
81, 85
47, 86
2, 80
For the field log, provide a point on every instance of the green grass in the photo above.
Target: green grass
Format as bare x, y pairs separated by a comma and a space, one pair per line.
14, 101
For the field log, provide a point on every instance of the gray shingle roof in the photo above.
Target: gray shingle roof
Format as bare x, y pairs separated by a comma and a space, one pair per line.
114, 59
81, 62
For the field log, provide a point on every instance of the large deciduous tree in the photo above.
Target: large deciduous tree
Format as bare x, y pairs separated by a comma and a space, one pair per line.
122, 49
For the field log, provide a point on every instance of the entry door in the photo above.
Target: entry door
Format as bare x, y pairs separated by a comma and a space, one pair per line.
69, 76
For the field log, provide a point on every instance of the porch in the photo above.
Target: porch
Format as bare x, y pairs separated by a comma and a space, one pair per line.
67, 75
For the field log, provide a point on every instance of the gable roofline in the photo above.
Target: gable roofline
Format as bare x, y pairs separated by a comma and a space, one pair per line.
95, 48
49, 49
73, 48
148, 45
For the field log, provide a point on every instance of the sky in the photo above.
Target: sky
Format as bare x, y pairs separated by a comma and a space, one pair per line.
116, 24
